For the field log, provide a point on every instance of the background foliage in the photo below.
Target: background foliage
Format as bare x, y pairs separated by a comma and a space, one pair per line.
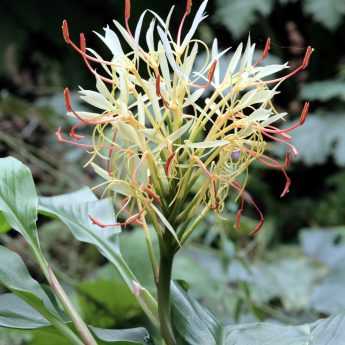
292, 271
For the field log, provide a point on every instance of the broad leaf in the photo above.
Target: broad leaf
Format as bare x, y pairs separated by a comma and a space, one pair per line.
18, 198
239, 15
324, 90
328, 297
75, 209
321, 137
15, 276
98, 308
16, 313
326, 245
329, 13
194, 325
290, 278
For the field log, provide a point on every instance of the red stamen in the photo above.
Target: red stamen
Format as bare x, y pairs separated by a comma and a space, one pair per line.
158, 85
265, 52
274, 164
127, 14
186, 14
152, 194
82, 43
239, 215
131, 220
210, 76
301, 68
293, 148
73, 134
303, 117
65, 32
245, 196
168, 164
61, 139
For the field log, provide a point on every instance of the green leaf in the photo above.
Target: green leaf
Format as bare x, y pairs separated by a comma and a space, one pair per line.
324, 90
239, 15
290, 278
4, 226
328, 297
100, 310
194, 325
15, 313
321, 136
75, 209
329, 13
326, 245
18, 198
15, 276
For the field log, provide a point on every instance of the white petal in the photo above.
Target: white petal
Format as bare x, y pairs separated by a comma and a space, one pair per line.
111, 41
138, 28
199, 17
96, 99
149, 36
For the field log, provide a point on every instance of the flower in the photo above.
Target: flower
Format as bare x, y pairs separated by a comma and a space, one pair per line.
159, 133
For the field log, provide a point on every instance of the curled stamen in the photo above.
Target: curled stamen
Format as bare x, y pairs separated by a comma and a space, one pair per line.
73, 134
61, 139
246, 197
135, 219
68, 104
303, 116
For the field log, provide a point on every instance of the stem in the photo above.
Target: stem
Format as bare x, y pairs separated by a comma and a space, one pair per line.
81, 327
164, 304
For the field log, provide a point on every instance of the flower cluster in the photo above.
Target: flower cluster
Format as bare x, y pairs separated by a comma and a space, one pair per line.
175, 140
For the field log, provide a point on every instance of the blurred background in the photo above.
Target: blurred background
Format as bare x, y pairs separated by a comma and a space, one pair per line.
302, 242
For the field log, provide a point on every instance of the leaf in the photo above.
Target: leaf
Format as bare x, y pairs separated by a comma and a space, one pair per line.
74, 210
238, 15
194, 325
15, 276
326, 244
132, 336
329, 13
16, 313
328, 297
291, 279
96, 306
320, 137
18, 198
324, 90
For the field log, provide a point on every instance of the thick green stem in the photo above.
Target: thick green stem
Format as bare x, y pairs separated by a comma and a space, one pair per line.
164, 304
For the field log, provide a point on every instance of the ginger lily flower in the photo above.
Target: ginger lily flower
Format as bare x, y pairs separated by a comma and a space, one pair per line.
158, 135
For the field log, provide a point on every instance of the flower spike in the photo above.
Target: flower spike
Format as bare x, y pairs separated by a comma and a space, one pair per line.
155, 132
